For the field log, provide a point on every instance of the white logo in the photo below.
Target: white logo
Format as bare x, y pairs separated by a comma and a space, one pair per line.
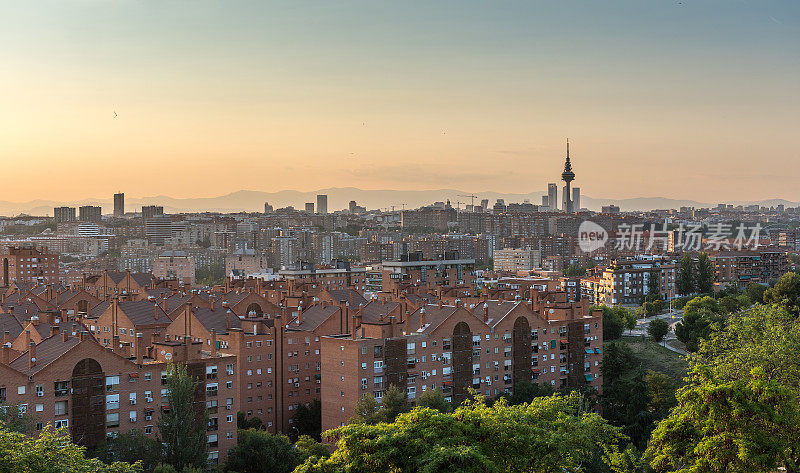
591, 236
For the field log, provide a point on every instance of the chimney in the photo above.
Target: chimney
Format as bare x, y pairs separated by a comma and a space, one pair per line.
441, 303
392, 321
486, 312
31, 355
213, 303
422, 317
187, 320
155, 316
5, 356
300, 314
54, 330
139, 347
213, 342
354, 327
65, 335
228, 319
27, 337
406, 326
64, 314
115, 342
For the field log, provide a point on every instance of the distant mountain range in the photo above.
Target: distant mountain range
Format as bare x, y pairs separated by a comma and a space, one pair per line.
339, 198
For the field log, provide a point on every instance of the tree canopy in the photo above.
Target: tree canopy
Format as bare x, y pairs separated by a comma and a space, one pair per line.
548, 434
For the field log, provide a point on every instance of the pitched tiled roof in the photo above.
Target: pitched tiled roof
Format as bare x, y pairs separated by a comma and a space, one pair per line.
9, 323
47, 351
496, 309
348, 295
143, 312
216, 319
378, 312
313, 317
142, 279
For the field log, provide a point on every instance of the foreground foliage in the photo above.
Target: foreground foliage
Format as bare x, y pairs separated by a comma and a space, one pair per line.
548, 434
50, 452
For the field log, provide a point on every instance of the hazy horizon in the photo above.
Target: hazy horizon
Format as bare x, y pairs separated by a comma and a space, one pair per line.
682, 100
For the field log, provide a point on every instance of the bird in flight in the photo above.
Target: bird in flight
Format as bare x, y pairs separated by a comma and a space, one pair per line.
115, 114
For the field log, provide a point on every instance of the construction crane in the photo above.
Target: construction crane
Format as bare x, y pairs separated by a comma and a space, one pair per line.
471, 196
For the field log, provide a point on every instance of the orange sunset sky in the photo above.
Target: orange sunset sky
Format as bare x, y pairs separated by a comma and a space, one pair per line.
696, 100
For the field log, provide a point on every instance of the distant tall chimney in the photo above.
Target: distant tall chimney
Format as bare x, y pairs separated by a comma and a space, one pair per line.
31, 355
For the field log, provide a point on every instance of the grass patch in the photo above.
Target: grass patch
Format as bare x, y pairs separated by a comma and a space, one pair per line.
653, 356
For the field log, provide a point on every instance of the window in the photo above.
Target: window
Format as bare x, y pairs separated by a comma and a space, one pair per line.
132, 416
229, 369
211, 372
39, 390
112, 401
112, 384
112, 420
132, 398
211, 389
148, 429
148, 396
229, 418
163, 378
212, 440
21, 390
60, 408
60, 424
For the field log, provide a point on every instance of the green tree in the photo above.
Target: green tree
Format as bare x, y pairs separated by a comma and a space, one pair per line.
368, 411
308, 419
306, 447
658, 329
755, 292
258, 451
210, 275
13, 419
394, 403
686, 275
548, 434
129, 447
661, 390
699, 318
575, 270
785, 293
526, 391
50, 452
434, 399
615, 320
183, 426
653, 286
705, 274
625, 399
747, 425
243, 423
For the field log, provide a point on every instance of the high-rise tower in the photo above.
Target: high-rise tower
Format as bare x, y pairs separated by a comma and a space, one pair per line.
567, 176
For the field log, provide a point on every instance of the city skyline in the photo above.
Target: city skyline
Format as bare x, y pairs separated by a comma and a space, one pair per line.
697, 100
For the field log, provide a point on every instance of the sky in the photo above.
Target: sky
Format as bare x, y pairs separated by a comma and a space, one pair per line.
682, 99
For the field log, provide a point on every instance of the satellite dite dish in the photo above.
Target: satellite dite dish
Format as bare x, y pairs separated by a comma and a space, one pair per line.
168, 356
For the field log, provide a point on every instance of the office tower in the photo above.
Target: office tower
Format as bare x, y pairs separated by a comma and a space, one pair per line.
64, 214
485, 204
322, 204
552, 196
158, 228
567, 176
576, 198
91, 213
119, 204
150, 211
310, 207
545, 202
353, 206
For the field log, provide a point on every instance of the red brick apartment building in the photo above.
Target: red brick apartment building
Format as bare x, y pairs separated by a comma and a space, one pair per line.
70, 380
487, 347
28, 265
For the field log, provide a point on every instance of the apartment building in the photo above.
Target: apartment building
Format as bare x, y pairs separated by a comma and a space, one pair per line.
28, 265
517, 259
174, 264
69, 380
626, 281
488, 347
